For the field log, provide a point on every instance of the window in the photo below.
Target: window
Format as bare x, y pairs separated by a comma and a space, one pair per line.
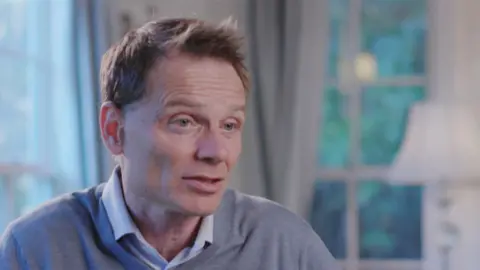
376, 72
41, 130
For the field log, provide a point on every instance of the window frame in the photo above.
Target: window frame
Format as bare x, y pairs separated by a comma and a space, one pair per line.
74, 91
308, 118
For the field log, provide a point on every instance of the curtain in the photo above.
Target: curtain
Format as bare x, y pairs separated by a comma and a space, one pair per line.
91, 39
273, 49
48, 135
285, 48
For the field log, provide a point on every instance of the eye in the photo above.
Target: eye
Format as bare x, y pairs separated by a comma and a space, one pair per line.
182, 121
230, 126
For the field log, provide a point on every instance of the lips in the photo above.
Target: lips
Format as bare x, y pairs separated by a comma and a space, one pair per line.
203, 184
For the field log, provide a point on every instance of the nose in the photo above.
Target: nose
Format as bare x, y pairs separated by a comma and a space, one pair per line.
211, 149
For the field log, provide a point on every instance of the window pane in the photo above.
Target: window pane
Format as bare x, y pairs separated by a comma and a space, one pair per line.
338, 15
4, 203
40, 101
333, 144
14, 102
328, 215
19, 194
383, 121
390, 221
394, 32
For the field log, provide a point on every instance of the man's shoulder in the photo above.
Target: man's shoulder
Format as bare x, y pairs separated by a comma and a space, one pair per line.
258, 213
269, 225
60, 215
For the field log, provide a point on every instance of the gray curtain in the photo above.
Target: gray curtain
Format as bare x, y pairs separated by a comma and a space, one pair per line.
287, 49
273, 40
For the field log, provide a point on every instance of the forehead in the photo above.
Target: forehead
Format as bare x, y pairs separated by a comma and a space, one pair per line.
191, 77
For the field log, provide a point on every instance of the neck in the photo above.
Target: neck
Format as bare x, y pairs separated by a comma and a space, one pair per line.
167, 231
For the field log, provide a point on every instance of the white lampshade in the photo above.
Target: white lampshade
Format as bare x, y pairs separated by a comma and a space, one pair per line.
442, 143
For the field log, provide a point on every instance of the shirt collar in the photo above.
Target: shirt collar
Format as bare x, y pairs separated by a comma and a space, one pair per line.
121, 221
205, 232
117, 212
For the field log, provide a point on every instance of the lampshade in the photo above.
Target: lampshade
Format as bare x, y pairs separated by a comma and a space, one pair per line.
442, 143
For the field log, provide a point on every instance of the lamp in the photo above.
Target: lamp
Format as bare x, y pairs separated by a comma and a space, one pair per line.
442, 143
366, 67
442, 149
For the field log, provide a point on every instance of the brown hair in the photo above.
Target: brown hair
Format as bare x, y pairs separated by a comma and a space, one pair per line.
125, 65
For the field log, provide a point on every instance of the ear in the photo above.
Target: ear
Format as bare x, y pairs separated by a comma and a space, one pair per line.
111, 127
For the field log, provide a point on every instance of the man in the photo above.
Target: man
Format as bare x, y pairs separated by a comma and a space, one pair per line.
174, 107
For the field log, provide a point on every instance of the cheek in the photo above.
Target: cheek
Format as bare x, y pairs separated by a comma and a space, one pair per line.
138, 137
176, 150
235, 149
135, 146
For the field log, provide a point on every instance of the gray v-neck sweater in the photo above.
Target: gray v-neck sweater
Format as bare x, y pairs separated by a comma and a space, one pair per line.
73, 232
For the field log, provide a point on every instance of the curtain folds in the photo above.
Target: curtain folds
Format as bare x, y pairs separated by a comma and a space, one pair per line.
272, 28
286, 50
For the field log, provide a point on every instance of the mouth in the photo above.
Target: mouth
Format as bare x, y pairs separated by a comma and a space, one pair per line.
203, 184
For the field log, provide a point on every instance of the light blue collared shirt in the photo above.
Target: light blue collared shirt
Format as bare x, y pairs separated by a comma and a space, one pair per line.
129, 236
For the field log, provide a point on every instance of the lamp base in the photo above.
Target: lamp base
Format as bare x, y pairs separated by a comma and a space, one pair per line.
459, 222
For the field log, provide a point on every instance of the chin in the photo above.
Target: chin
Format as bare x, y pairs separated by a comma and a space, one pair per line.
199, 212
198, 205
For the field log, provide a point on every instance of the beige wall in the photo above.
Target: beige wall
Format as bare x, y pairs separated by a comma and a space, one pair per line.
211, 10
454, 75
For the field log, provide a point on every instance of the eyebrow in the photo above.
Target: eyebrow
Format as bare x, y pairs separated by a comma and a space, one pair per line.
193, 104
183, 103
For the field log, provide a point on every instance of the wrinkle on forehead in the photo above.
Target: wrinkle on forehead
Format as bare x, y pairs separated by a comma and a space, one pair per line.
206, 81
218, 102
181, 72
185, 72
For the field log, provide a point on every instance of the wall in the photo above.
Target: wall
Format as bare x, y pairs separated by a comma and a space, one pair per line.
454, 75
210, 10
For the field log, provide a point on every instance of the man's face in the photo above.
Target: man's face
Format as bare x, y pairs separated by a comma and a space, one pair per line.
182, 140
